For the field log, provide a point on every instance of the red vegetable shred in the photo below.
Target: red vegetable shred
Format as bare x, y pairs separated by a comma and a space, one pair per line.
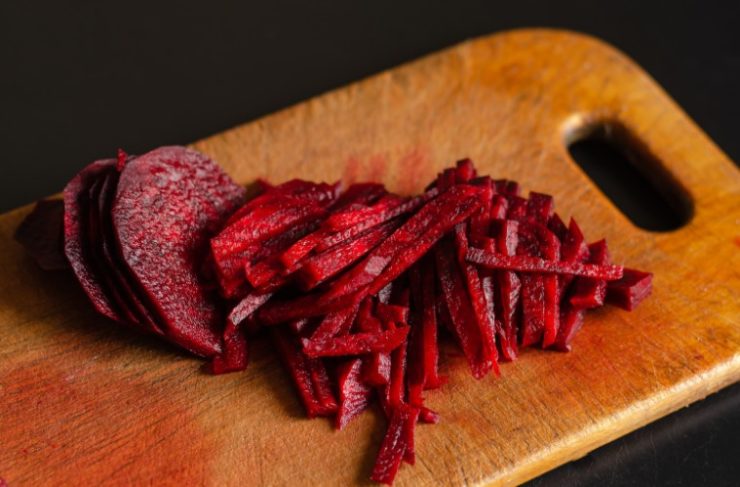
352, 285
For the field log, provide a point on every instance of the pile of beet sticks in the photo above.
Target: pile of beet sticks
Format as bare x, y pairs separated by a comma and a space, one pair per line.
355, 286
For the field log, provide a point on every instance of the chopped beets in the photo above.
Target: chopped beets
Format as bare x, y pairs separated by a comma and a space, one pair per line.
168, 203
353, 284
630, 290
42, 234
320, 267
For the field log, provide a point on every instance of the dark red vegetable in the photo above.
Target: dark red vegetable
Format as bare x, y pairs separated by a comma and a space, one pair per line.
191, 197
42, 235
353, 285
630, 290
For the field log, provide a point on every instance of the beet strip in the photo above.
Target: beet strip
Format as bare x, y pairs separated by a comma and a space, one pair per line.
300, 372
460, 309
320, 267
373, 219
432, 220
550, 250
482, 304
356, 344
333, 323
354, 394
529, 264
393, 446
630, 290
509, 286
590, 293
430, 345
376, 367
571, 320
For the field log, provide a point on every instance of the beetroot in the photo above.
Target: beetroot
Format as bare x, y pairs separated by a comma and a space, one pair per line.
191, 197
630, 290
76, 245
353, 285
42, 235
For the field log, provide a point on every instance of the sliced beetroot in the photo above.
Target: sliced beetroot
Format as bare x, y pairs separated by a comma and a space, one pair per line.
300, 371
394, 444
76, 246
630, 290
42, 235
94, 240
384, 271
354, 394
355, 344
480, 299
169, 202
460, 309
523, 263
324, 265
108, 247
590, 293
571, 320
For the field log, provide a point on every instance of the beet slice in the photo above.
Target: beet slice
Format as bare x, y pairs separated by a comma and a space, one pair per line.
169, 202
95, 243
42, 235
121, 278
76, 246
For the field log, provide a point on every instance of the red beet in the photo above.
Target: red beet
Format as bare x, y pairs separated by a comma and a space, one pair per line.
76, 246
42, 235
191, 197
354, 394
630, 290
496, 269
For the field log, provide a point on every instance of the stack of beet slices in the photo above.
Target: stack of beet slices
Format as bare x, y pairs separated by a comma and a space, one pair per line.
136, 233
354, 287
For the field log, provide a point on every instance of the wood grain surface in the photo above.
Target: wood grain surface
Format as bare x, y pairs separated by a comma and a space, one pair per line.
83, 402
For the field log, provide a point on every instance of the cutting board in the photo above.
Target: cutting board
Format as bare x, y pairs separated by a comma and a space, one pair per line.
84, 402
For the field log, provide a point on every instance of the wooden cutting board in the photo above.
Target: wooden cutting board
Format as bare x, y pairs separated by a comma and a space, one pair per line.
84, 402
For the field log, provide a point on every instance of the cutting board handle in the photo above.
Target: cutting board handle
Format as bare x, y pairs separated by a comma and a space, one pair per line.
629, 109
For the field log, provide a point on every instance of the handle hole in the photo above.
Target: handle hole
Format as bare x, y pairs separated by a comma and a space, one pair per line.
633, 179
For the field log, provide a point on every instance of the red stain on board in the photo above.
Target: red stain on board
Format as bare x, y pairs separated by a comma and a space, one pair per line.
352, 170
415, 166
405, 176
98, 427
377, 167
737, 241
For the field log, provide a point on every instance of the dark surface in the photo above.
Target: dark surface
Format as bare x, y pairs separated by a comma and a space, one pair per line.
82, 78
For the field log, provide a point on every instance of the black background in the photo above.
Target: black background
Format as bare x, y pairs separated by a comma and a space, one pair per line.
81, 78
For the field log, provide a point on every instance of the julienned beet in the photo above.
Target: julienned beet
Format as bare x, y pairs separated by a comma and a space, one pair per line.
354, 286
